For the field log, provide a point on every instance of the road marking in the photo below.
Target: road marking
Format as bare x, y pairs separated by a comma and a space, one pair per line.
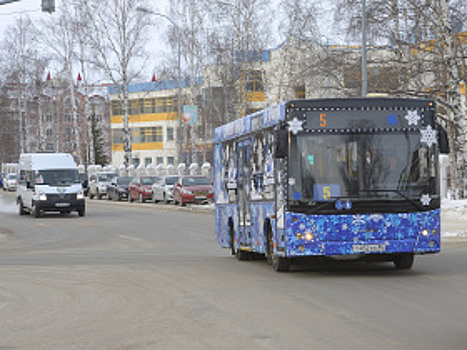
130, 238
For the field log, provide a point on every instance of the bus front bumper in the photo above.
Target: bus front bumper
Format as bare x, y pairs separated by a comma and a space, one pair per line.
421, 245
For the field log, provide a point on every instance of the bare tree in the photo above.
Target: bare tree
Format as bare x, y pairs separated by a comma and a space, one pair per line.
22, 70
116, 37
429, 56
58, 35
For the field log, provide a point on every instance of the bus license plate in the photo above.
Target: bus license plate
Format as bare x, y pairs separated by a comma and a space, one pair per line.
369, 248
62, 205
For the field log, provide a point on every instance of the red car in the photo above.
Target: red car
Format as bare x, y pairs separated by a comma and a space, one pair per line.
193, 189
140, 188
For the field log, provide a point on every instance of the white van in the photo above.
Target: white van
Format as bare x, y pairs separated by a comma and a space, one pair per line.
49, 182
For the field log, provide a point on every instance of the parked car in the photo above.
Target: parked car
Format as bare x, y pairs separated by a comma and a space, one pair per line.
98, 184
83, 178
140, 188
9, 182
193, 189
118, 188
162, 190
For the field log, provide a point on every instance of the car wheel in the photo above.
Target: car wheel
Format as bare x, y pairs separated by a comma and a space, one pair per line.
81, 212
21, 208
35, 212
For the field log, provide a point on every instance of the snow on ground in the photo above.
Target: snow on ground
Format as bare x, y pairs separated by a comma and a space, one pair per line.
454, 218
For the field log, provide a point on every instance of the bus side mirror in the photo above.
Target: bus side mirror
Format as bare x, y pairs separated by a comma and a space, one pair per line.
282, 143
443, 140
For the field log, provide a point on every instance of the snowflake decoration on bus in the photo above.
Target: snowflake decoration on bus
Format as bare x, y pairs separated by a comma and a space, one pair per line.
425, 200
412, 117
295, 125
428, 136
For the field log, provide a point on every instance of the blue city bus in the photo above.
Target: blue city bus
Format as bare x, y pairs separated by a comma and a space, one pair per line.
347, 178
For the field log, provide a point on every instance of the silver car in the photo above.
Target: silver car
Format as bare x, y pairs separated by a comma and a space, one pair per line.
98, 184
9, 182
162, 189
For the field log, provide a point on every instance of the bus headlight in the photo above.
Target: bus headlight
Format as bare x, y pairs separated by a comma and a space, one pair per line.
80, 195
308, 236
425, 233
42, 196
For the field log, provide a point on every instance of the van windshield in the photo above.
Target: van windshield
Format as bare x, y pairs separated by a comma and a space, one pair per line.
64, 177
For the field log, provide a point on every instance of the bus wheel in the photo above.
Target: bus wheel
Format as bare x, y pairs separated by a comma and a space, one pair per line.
242, 255
280, 264
269, 244
404, 261
232, 238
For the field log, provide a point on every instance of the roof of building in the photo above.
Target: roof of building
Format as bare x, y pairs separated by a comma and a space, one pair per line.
157, 85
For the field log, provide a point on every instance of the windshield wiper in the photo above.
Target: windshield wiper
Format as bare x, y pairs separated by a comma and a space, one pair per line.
417, 205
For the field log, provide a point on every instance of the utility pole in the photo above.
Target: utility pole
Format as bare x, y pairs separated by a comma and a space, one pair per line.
364, 52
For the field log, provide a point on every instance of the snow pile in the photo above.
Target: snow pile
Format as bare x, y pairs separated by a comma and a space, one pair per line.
454, 218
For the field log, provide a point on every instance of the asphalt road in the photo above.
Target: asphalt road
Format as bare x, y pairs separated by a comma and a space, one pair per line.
145, 276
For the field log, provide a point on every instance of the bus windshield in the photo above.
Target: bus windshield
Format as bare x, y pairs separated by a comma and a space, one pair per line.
64, 177
364, 166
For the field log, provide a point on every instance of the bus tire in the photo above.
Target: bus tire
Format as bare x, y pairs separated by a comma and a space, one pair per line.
232, 238
242, 255
81, 212
269, 243
404, 261
280, 264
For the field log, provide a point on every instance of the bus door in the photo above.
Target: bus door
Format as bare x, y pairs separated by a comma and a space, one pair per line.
243, 190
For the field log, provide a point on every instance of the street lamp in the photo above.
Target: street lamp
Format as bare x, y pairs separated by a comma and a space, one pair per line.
179, 87
364, 52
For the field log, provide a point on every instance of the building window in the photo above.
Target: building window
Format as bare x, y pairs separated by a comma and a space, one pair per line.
254, 81
170, 160
49, 118
148, 134
170, 134
159, 160
136, 162
49, 146
49, 133
300, 92
147, 161
116, 108
117, 136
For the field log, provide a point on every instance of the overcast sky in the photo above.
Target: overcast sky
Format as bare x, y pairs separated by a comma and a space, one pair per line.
32, 8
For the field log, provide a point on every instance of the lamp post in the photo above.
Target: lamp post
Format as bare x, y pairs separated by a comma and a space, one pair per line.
364, 52
179, 83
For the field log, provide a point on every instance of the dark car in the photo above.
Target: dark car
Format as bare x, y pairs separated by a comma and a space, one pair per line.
118, 188
83, 178
140, 188
193, 189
